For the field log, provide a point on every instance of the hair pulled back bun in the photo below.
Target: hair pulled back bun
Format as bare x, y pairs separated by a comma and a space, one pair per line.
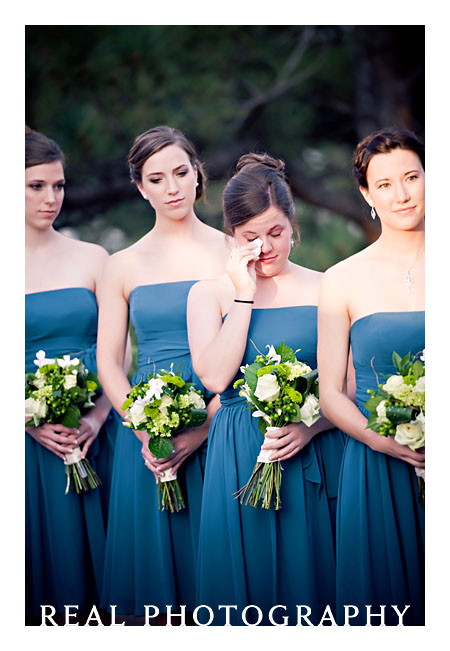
155, 139
258, 184
383, 142
40, 150
252, 160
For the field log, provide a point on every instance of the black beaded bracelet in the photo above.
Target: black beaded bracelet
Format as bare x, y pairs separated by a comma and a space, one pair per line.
237, 300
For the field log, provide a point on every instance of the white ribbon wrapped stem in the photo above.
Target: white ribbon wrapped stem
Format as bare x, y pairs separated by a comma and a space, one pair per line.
168, 475
73, 457
263, 455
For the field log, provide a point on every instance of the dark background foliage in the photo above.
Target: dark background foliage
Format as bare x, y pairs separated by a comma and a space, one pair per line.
306, 94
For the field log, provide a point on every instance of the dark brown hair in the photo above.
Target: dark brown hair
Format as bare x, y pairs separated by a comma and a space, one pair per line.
258, 183
383, 142
152, 141
40, 150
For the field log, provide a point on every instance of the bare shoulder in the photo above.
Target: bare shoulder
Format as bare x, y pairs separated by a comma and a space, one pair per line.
210, 289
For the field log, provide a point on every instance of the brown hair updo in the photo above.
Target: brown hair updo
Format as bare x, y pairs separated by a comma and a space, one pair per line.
40, 150
383, 142
258, 183
155, 139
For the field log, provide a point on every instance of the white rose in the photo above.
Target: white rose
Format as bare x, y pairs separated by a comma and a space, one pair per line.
420, 385
381, 411
197, 400
267, 388
410, 434
35, 409
136, 414
70, 381
309, 411
394, 383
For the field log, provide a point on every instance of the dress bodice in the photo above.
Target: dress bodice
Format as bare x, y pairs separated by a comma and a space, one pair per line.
158, 314
61, 322
296, 326
375, 337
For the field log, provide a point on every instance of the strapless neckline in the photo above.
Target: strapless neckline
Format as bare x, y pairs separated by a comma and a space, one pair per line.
61, 289
374, 314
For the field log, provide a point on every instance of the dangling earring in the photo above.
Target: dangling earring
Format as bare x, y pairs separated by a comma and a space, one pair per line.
292, 242
373, 213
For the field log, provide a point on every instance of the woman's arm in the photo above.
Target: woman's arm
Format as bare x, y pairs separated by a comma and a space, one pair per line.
333, 359
217, 347
112, 339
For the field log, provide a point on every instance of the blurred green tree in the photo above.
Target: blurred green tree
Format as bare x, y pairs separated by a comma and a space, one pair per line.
306, 94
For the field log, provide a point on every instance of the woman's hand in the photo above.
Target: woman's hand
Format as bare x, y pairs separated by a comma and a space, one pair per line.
184, 443
241, 270
387, 445
288, 440
56, 438
89, 429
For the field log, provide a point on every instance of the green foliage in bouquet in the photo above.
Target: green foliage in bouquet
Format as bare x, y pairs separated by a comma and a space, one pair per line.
61, 391
397, 407
280, 389
163, 406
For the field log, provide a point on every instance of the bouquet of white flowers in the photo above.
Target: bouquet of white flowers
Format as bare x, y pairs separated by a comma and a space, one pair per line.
397, 408
162, 406
60, 391
280, 389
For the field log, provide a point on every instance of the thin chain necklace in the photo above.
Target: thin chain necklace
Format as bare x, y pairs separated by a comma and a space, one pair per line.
408, 279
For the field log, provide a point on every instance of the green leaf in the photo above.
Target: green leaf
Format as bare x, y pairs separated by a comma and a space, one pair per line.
71, 417
399, 415
304, 383
160, 446
265, 370
418, 369
372, 423
127, 404
174, 379
251, 376
197, 417
374, 401
262, 425
287, 354
397, 361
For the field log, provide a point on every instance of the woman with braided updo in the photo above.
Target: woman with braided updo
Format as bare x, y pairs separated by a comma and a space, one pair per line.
248, 555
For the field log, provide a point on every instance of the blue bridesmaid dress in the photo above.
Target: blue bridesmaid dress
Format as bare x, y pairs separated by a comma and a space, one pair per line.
65, 534
151, 554
267, 557
380, 522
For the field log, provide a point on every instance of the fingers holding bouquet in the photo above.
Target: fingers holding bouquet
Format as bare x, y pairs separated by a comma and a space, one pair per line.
56, 438
286, 441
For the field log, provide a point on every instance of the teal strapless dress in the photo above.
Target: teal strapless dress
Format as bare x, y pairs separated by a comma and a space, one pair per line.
151, 554
268, 557
65, 534
380, 522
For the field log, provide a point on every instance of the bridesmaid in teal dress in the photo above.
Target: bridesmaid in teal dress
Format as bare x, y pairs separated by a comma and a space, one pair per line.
65, 534
374, 302
151, 554
249, 556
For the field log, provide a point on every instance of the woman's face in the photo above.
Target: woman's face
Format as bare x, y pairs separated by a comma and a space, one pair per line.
169, 182
396, 189
44, 194
274, 229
